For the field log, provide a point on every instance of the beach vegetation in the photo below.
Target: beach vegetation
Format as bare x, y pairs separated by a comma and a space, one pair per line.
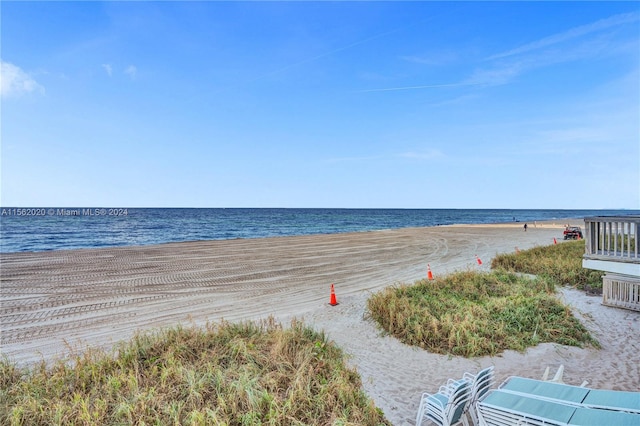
476, 314
251, 373
561, 263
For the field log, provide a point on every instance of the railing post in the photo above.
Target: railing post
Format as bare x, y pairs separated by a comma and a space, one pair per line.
629, 225
637, 237
600, 237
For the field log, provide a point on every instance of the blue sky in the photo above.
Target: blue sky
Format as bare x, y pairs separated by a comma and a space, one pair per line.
327, 104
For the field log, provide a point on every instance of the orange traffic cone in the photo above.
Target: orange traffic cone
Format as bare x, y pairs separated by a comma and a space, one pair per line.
429, 273
333, 301
554, 241
478, 260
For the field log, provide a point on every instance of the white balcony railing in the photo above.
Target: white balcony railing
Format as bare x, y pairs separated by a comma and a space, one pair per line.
612, 238
611, 245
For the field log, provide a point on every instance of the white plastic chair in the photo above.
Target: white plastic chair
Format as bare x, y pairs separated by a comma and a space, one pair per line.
447, 406
556, 378
480, 384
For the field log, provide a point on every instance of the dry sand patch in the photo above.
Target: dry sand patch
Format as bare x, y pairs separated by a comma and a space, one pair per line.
54, 301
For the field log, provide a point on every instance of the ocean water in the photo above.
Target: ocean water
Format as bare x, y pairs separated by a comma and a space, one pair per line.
41, 229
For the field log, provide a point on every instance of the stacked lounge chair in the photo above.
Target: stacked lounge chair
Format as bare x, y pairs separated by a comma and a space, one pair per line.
524, 401
453, 402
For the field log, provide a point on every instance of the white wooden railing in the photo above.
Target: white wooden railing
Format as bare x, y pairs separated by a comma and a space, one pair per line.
611, 245
621, 292
613, 238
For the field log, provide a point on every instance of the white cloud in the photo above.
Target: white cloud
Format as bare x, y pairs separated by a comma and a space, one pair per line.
582, 30
433, 58
108, 69
423, 155
131, 71
428, 86
353, 159
458, 100
15, 82
588, 41
498, 75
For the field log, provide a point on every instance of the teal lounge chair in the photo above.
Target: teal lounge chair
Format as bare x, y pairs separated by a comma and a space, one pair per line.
613, 400
506, 408
560, 392
597, 417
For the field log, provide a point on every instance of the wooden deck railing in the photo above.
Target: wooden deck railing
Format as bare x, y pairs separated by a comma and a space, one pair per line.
612, 246
612, 238
620, 292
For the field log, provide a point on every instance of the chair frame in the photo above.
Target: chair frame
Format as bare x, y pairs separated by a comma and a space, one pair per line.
481, 383
476, 384
457, 394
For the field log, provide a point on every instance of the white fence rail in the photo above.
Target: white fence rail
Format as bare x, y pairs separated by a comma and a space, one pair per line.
614, 238
621, 292
611, 244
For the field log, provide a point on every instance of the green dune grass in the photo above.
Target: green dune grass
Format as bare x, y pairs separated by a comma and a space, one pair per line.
562, 263
222, 374
477, 313
485, 313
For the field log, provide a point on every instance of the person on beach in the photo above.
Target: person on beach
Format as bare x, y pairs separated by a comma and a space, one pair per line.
525, 227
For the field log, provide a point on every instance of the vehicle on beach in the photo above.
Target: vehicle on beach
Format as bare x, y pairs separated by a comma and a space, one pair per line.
572, 233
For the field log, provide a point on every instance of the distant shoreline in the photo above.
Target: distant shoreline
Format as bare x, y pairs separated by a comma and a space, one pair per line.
532, 224
96, 228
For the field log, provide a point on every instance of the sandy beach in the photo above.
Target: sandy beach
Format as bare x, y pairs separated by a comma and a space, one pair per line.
58, 301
